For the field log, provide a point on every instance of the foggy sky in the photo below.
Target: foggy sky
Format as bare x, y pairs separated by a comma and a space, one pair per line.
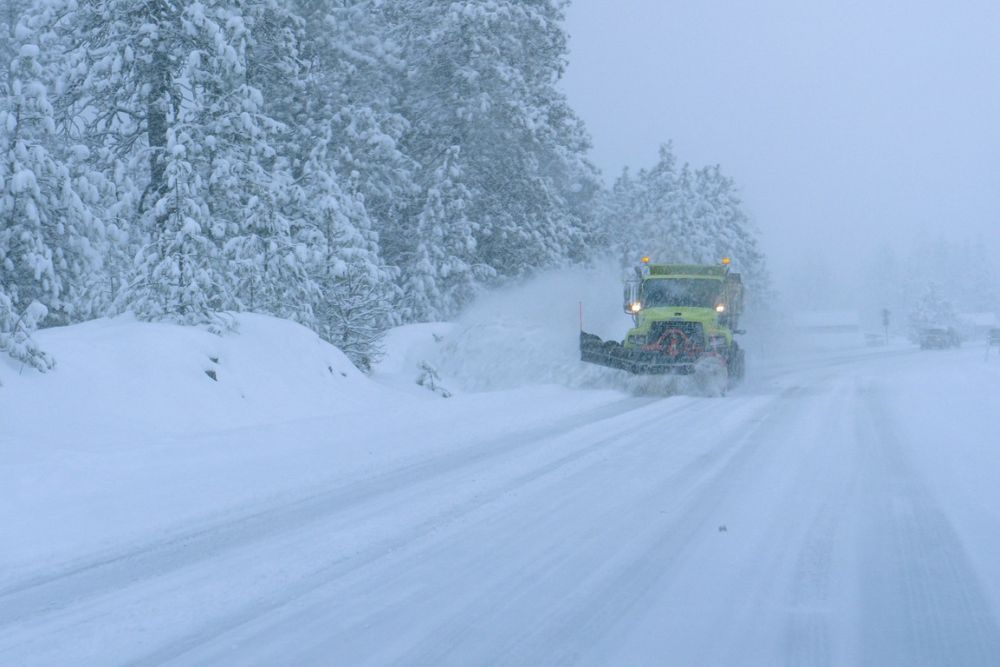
846, 124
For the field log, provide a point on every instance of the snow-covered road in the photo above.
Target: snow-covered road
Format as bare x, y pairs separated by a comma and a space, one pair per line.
838, 511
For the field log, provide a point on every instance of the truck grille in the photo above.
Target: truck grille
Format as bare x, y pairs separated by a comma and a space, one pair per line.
681, 341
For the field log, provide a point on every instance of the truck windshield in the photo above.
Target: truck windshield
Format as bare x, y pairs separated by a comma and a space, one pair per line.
690, 292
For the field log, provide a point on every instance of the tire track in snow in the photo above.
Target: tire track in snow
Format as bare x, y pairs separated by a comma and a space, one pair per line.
88, 578
596, 610
124, 579
186, 649
209, 643
921, 600
782, 369
813, 603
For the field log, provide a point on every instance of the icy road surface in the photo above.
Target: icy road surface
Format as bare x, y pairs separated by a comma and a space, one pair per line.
841, 511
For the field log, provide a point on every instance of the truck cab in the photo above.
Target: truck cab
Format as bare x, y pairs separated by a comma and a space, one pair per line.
682, 314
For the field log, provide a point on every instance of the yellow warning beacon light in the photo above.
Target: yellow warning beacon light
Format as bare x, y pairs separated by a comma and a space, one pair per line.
645, 259
726, 261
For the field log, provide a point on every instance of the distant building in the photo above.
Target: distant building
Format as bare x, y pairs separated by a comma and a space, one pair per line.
977, 326
827, 321
826, 329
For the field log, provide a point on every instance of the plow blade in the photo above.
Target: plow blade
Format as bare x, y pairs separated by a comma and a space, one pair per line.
613, 354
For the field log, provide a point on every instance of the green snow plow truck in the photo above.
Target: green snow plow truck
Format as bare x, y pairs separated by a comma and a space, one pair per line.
685, 316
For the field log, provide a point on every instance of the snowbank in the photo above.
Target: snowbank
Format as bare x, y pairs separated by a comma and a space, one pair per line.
125, 379
129, 438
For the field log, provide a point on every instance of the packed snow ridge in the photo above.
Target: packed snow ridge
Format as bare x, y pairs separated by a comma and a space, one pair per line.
145, 425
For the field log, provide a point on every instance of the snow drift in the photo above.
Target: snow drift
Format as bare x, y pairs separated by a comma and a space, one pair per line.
127, 379
143, 427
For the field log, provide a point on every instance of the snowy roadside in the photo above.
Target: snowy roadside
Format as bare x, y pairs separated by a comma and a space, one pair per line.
130, 437
950, 428
851, 494
130, 440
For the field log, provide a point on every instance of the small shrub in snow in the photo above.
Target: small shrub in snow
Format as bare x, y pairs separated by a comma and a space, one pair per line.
15, 334
429, 379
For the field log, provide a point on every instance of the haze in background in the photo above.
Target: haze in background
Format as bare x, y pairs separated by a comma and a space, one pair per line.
850, 126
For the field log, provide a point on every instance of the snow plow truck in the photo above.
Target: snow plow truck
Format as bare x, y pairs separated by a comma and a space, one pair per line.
685, 321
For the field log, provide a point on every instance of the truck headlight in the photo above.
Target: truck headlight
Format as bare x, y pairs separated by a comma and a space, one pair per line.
721, 308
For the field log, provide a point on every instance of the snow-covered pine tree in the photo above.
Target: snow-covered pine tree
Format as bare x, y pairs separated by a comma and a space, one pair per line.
684, 215
118, 83
726, 229
577, 181
354, 307
47, 231
104, 140
147, 85
341, 152
443, 274
616, 216
654, 220
12, 12
932, 309
482, 77
961, 268
181, 274
268, 258
356, 80
16, 329
266, 251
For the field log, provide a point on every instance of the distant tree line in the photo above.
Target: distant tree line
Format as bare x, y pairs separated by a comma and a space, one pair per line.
928, 281
348, 164
680, 214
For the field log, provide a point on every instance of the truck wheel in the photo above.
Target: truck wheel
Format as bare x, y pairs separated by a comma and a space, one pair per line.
736, 364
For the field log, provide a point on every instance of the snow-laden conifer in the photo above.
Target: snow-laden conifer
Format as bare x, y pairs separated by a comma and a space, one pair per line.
482, 77
179, 275
47, 230
932, 309
680, 214
444, 272
355, 288
266, 248
358, 79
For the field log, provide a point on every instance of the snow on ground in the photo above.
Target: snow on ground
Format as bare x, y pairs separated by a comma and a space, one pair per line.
950, 424
839, 508
125, 378
129, 437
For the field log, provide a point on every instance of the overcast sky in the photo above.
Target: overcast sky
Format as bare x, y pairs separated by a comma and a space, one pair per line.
844, 123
